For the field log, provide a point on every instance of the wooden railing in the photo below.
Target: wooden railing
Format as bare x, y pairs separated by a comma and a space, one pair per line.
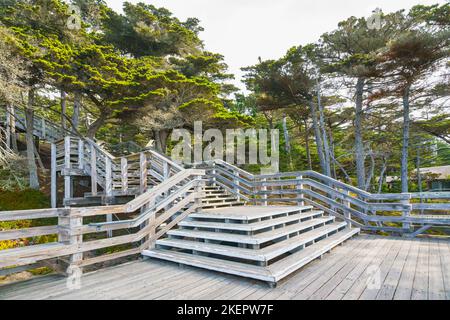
128, 175
42, 128
407, 213
80, 233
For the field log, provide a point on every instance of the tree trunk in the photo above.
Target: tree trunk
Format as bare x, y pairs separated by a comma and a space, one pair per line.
368, 183
326, 145
29, 117
359, 144
269, 120
12, 127
96, 125
308, 148
318, 137
76, 112
287, 142
161, 137
63, 109
419, 176
405, 143
332, 154
382, 173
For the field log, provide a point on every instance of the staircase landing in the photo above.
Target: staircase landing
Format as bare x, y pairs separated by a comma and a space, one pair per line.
265, 243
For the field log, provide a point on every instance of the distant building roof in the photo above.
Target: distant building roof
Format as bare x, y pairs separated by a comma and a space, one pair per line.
436, 173
442, 172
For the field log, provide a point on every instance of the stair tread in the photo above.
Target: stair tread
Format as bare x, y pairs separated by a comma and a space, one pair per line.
297, 260
230, 267
215, 198
273, 273
242, 214
221, 204
264, 254
255, 239
250, 226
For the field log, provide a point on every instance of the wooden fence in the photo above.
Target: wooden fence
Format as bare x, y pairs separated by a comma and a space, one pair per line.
406, 213
117, 176
81, 234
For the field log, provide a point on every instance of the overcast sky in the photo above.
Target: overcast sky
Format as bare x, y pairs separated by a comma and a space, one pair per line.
243, 30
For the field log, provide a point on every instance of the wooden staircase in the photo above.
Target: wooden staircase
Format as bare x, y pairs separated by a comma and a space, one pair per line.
261, 242
217, 197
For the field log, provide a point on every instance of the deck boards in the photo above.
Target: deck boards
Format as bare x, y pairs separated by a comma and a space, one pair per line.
408, 269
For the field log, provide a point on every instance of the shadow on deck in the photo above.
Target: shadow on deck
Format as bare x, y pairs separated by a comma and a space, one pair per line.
366, 267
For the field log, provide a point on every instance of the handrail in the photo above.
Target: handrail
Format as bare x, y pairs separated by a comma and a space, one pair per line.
158, 209
356, 206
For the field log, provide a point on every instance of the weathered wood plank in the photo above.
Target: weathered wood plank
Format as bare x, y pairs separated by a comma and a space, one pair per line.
361, 282
362, 258
314, 286
444, 253
392, 279
404, 286
28, 232
420, 285
435, 275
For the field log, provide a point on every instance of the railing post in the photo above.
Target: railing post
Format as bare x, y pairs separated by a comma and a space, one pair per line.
143, 170
80, 154
214, 172
347, 213
68, 223
264, 189
300, 187
108, 188
152, 224
93, 170
166, 170
124, 174
68, 192
53, 179
407, 211
198, 191
237, 184
44, 128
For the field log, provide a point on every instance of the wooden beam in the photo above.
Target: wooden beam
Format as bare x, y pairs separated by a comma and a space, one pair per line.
108, 188
53, 179
143, 170
68, 192
93, 170
124, 173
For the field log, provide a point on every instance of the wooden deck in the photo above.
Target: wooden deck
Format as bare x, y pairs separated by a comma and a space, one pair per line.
366, 267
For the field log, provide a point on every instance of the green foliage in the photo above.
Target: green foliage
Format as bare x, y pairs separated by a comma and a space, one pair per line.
144, 30
23, 200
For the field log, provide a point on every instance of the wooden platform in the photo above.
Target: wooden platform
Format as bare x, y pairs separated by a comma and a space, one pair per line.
266, 243
403, 269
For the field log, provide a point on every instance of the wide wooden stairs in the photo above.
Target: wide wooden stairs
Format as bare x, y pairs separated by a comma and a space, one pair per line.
266, 243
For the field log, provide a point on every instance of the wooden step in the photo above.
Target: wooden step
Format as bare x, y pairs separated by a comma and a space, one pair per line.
254, 239
292, 263
222, 204
213, 200
214, 191
248, 213
251, 227
212, 188
230, 267
261, 255
85, 202
273, 273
